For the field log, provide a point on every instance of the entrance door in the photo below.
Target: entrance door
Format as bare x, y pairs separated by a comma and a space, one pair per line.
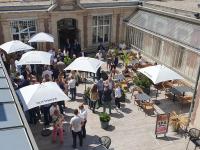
67, 29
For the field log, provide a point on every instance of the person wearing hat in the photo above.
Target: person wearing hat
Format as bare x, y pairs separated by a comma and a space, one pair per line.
106, 98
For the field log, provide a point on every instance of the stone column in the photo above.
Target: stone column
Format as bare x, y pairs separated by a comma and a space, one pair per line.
1, 33
118, 27
114, 28
6, 31
89, 31
85, 31
46, 30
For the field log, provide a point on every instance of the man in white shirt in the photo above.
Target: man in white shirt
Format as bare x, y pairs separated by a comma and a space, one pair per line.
48, 72
118, 95
122, 46
72, 87
99, 55
83, 115
76, 127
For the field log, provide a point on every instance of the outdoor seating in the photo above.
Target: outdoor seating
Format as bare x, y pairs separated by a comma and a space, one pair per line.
134, 89
194, 136
105, 141
185, 100
169, 95
148, 107
158, 87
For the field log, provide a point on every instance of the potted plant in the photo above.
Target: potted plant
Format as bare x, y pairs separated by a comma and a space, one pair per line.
143, 82
104, 119
177, 121
67, 60
125, 58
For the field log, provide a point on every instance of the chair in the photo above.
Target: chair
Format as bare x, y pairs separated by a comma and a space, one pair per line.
105, 141
185, 100
148, 107
166, 86
194, 136
136, 89
158, 87
169, 96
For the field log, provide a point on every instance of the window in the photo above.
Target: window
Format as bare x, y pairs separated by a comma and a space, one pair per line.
23, 29
101, 29
134, 37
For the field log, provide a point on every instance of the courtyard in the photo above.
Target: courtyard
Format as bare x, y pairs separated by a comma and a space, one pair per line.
130, 128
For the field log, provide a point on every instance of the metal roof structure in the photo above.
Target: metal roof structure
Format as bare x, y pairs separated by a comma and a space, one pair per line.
181, 31
14, 130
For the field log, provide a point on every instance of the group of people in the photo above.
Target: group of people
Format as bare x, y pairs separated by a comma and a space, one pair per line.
102, 93
77, 124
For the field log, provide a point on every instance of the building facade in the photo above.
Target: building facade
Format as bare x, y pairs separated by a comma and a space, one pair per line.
90, 22
167, 38
168, 32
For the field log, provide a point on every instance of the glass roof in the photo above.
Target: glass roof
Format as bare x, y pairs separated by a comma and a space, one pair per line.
14, 139
178, 30
12, 120
9, 116
6, 96
3, 83
2, 73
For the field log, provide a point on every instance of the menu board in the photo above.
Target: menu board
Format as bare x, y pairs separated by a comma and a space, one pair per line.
162, 123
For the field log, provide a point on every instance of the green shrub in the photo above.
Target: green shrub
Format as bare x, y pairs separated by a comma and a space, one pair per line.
142, 81
104, 117
67, 60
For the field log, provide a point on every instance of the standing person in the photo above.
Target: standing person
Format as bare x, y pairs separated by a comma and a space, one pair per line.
94, 97
72, 87
68, 47
100, 88
76, 48
60, 65
61, 83
83, 115
48, 72
47, 117
109, 59
58, 126
99, 55
118, 95
110, 83
106, 98
76, 127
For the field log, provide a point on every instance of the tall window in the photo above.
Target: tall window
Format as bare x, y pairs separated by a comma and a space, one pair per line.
101, 27
23, 29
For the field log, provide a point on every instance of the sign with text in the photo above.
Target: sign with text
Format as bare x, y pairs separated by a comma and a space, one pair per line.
162, 123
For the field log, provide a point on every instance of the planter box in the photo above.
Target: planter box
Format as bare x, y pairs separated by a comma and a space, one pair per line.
104, 125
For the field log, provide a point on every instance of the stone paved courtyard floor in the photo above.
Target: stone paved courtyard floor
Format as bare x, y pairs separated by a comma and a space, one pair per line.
130, 128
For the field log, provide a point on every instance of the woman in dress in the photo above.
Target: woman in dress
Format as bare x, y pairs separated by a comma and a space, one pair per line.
94, 96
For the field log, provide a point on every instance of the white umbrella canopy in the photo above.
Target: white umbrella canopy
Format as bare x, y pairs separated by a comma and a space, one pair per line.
41, 94
15, 46
160, 73
42, 37
35, 57
86, 64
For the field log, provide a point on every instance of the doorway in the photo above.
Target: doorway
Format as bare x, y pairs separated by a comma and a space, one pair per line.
67, 29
